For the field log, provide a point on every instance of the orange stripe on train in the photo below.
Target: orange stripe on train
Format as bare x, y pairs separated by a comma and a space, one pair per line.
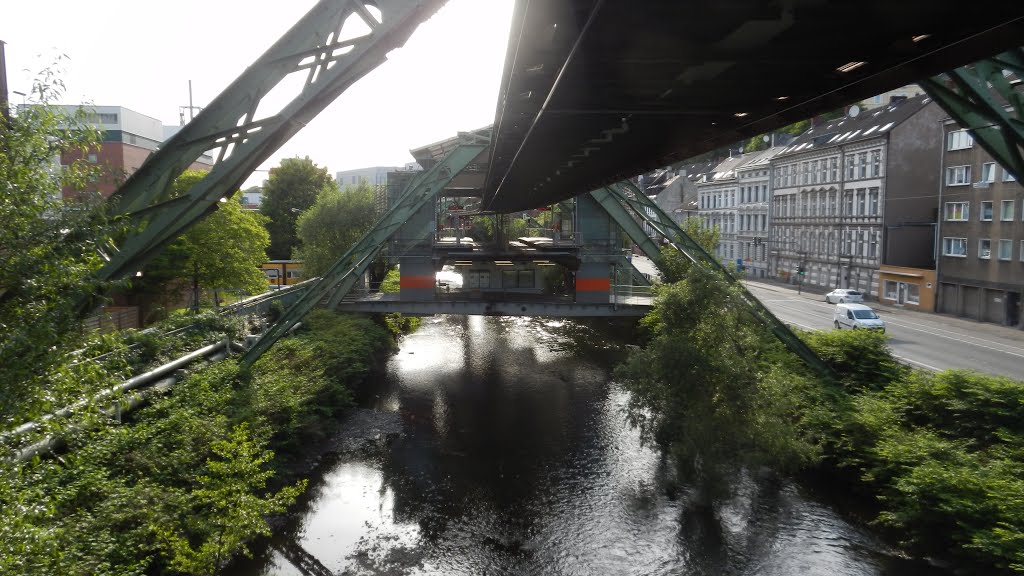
593, 285
416, 282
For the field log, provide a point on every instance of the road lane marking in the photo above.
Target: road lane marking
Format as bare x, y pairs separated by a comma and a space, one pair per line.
958, 334
960, 338
910, 325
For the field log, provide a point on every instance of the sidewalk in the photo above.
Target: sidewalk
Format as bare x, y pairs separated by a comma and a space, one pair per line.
817, 294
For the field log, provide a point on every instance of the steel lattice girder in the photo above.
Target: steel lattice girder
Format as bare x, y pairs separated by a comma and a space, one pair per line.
337, 281
985, 101
628, 195
314, 48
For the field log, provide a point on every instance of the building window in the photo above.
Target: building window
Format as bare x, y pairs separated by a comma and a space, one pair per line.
988, 172
873, 193
508, 279
1007, 177
958, 140
861, 202
834, 166
92, 158
902, 292
862, 165
986, 211
984, 248
851, 167
876, 163
957, 211
803, 172
958, 175
1005, 249
107, 118
1006, 210
526, 279
954, 247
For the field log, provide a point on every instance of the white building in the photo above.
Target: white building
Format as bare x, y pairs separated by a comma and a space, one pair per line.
754, 181
895, 95
374, 175
718, 201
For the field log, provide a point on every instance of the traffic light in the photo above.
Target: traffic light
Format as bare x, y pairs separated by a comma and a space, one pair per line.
800, 270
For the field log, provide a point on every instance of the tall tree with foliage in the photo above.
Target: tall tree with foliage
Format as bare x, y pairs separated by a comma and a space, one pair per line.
223, 251
291, 189
335, 223
703, 391
49, 250
673, 264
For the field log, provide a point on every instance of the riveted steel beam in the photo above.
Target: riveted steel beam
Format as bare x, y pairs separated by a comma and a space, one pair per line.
331, 47
987, 99
645, 208
339, 279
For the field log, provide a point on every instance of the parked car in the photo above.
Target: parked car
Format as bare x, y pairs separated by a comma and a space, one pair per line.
843, 295
854, 316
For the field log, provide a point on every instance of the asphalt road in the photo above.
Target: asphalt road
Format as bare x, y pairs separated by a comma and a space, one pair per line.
929, 341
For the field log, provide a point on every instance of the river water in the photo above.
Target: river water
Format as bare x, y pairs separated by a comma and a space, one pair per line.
497, 446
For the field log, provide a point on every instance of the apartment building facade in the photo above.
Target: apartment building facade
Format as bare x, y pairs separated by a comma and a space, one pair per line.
981, 263
753, 218
718, 202
841, 189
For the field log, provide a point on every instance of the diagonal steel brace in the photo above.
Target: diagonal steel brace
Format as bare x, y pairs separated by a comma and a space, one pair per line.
982, 99
652, 214
337, 281
311, 48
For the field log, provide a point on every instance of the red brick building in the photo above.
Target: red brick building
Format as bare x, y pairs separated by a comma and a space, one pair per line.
128, 139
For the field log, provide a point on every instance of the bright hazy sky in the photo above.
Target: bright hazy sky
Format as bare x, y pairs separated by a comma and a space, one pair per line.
142, 54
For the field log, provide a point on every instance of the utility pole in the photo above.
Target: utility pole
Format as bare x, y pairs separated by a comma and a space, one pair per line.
5, 110
191, 108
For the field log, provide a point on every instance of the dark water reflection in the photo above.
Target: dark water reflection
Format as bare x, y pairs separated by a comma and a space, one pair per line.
508, 453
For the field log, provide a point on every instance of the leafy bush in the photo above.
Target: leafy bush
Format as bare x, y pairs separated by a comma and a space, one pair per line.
861, 358
707, 389
943, 453
184, 485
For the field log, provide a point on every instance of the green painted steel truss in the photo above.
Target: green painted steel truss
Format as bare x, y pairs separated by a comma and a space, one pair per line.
347, 271
987, 98
335, 44
626, 205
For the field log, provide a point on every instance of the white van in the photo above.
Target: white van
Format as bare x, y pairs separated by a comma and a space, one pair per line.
853, 316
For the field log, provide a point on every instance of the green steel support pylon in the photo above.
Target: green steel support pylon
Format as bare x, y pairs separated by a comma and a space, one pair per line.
337, 281
989, 103
627, 195
322, 52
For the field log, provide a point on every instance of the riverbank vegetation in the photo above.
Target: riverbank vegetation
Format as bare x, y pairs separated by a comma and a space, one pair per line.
185, 482
941, 455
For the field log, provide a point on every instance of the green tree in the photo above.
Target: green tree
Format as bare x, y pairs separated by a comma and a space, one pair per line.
222, 251
227, 508
49, 250
705, 391
335, 223
673, 264
291, 189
